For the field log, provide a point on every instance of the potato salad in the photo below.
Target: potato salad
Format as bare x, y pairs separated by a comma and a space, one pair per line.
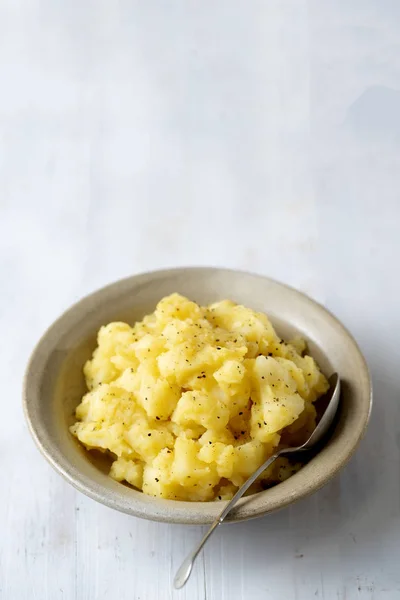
192, 399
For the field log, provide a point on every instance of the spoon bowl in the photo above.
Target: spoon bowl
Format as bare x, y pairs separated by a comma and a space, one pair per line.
325, 423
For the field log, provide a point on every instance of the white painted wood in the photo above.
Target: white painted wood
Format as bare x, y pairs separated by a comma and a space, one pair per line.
256, 134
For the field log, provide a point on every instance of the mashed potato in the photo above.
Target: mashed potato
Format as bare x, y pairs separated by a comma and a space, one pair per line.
191, 400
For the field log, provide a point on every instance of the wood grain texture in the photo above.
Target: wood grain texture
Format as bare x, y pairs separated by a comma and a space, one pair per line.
254, 134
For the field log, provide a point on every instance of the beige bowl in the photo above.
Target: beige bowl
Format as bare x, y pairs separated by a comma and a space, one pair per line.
54, 385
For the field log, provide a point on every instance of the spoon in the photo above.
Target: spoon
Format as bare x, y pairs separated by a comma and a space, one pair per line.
332, 399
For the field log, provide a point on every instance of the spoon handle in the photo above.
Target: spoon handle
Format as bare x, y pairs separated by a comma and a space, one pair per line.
185, 569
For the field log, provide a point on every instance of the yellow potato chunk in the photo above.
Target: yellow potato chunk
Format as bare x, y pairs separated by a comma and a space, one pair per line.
127, 470
191, 400
201, 408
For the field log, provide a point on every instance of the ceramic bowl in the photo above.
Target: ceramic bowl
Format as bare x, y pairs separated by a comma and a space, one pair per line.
54, 385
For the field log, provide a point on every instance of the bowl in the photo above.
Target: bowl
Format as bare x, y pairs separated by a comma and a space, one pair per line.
54, 385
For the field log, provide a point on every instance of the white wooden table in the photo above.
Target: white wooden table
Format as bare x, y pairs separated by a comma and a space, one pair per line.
259, 134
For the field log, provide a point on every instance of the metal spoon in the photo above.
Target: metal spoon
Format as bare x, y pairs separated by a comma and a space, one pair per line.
332, 397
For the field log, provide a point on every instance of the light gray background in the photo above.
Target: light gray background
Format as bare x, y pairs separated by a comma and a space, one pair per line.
255, 134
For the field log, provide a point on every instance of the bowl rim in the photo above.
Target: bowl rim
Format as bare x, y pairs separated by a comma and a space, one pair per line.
184, 510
